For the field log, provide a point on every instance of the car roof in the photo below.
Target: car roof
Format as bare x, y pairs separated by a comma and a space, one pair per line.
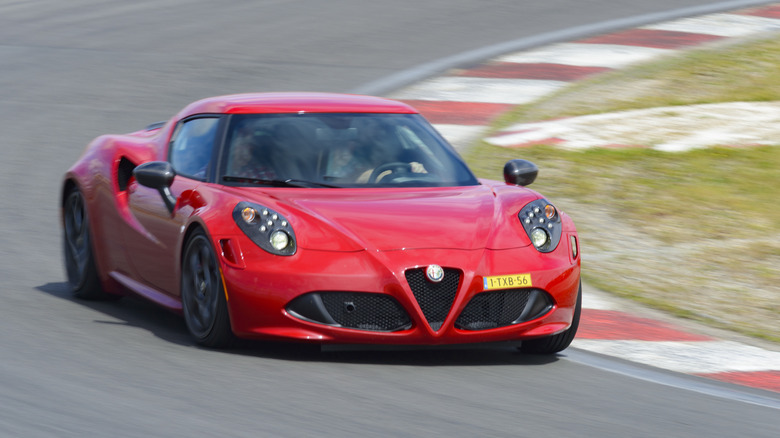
267, 103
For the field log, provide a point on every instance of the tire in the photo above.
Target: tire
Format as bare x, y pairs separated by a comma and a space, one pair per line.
77, 248
556, 343
202, 294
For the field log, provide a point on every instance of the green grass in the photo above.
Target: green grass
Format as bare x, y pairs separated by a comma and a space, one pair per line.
723, 192
696, 234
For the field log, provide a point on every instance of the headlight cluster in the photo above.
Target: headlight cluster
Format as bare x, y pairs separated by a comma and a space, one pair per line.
267, 228
542, 223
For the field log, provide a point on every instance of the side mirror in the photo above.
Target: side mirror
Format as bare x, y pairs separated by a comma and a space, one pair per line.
520, 172
157, 175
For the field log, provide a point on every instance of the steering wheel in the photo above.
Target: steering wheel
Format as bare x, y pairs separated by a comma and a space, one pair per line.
394, 167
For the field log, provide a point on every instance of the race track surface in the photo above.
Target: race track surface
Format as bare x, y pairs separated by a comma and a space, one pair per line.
70, 71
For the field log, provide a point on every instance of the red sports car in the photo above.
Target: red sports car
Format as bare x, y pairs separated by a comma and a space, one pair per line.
324, 218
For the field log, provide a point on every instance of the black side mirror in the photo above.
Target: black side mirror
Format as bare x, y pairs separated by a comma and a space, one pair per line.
157, 175
520, 172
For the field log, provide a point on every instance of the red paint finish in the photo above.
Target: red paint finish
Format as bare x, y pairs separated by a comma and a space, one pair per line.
660, 39
614, 325
459, 113
769, 380
286, 103
255, 304
542, 71
356, 239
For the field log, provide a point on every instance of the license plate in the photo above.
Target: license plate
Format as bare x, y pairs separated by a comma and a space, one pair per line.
507, 281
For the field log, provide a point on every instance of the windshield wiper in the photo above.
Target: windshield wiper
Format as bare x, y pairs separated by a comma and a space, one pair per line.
290, 182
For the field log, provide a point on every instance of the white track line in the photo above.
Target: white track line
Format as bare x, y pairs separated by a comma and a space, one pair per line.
468, 89
696, 357
725, 25
587, 55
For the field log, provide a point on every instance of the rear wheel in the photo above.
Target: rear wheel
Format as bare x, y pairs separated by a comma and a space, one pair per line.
77, 248
556, 343
202, 294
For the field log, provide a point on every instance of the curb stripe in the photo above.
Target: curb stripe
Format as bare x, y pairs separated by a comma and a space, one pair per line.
658, 39
395, 81
769, 380
769, 12
459, 113
592, 55
555, 72
511, 91
725, 25
615, 325
689, 357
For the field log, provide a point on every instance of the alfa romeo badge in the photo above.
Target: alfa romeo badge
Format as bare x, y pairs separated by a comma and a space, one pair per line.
435, 273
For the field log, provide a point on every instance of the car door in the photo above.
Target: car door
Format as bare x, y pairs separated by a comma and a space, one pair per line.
155, 244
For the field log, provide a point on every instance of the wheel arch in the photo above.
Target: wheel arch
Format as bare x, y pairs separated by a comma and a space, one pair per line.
192, 227
67, 185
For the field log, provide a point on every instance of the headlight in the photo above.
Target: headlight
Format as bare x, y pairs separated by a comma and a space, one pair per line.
539, 237
542, 223
280, 240
267, 228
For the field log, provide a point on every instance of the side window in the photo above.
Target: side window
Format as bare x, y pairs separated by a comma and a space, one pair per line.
191, 147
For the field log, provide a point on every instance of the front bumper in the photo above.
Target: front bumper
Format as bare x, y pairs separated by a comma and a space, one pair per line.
375, 297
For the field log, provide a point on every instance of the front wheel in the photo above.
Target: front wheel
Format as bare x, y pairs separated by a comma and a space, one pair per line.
202, 294
556, 343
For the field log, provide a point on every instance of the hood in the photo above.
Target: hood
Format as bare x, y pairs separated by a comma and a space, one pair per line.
473, 217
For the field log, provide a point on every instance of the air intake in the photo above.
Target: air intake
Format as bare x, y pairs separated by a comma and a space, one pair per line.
489, 310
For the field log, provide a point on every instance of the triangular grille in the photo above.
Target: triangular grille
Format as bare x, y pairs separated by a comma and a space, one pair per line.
435, 299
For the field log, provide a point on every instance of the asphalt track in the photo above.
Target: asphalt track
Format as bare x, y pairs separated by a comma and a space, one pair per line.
70, 71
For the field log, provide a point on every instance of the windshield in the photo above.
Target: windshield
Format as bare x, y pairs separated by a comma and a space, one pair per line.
339, 150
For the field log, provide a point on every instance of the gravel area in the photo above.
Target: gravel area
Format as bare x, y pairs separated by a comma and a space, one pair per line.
671, 129
731, 283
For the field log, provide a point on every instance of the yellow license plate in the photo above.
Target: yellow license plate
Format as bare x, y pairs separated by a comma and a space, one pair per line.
507, 281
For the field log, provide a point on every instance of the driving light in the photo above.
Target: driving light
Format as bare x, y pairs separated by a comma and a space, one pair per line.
539, 237
248, 214
549, 211
279, 240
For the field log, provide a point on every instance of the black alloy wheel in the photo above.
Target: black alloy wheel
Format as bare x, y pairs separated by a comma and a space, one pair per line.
77, 248
202, 294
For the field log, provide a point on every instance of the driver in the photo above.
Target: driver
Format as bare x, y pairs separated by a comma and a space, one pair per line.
374, 146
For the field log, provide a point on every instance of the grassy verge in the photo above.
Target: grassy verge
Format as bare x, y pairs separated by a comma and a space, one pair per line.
695, 233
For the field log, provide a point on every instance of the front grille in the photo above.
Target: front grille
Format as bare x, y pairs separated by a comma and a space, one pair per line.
435, 299
365, 311
502, 308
